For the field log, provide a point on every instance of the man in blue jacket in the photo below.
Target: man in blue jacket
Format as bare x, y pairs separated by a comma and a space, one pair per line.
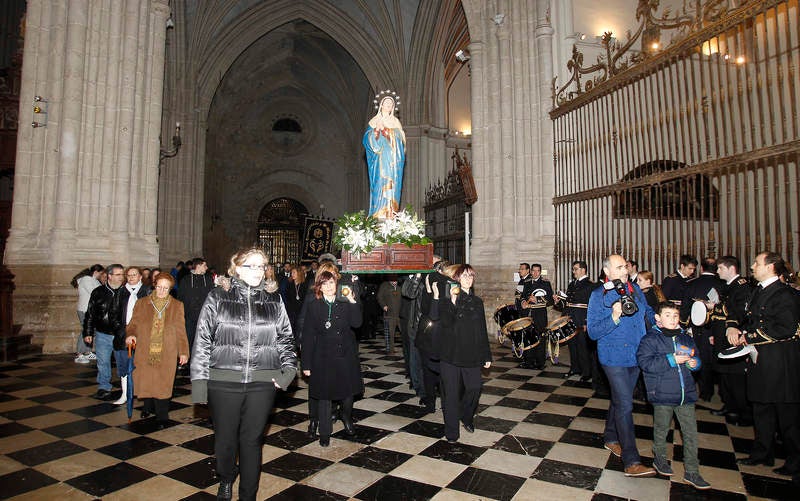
618, 333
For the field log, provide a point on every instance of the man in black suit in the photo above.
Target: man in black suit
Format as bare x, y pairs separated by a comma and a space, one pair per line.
730, 312
532, 301
772, 320
577, 301
674, 285
703, 287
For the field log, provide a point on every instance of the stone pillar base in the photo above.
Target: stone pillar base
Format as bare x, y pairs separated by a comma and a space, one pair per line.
45, 305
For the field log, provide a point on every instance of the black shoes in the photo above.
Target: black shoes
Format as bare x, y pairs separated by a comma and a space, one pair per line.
324, 441
469, 427
570, 374
312, 428
720, 412
586, 379
145, 414
738, 420
225, 491
755, 461
104, 395
348, 427
783, 470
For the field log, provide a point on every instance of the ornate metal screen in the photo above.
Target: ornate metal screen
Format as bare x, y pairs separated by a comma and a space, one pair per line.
691, 149
280, 225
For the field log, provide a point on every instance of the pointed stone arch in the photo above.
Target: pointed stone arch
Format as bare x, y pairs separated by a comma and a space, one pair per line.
216, 50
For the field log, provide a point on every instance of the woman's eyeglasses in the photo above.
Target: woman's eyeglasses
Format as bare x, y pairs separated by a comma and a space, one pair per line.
259, 267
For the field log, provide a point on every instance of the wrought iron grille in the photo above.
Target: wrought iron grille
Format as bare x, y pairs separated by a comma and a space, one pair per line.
692, 149
280, 227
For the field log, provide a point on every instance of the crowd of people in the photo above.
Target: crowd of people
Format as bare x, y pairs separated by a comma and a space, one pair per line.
678, 342
241, 335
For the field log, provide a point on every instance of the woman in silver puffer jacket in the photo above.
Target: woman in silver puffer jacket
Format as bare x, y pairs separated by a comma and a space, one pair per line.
243, 352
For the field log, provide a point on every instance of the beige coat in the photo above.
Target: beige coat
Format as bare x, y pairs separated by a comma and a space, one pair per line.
157, 381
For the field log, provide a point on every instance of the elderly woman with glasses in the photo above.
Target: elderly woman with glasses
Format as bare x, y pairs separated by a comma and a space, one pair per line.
243, 353
158, 330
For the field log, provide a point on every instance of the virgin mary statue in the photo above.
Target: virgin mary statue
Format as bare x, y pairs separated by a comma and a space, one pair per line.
385, 143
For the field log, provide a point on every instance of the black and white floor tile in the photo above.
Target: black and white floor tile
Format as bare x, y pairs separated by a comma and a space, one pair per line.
538, 436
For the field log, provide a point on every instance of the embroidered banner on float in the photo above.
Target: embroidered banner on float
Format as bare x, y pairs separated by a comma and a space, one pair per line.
317, 238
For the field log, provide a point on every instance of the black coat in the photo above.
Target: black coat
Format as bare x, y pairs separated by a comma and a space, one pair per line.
428, 329
464, 341
293, 299
331, 354
192, 291
698, 288
106, 314
775, 377
539, 311
674, 287
578, 292
730, 313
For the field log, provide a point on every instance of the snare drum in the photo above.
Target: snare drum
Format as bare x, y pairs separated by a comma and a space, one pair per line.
699, 314
522, 334
562, 329
505, 314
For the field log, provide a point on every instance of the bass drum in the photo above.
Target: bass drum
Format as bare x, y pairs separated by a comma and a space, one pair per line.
522, 334
562, 329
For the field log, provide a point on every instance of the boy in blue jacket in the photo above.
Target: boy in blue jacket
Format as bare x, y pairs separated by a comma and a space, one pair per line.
667, 356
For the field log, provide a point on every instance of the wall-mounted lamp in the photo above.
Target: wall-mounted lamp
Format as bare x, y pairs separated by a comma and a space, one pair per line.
498, 19
176, 144
580, 36
462, 56
170, 23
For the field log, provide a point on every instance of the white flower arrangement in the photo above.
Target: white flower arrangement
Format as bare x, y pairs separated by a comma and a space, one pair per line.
358, 233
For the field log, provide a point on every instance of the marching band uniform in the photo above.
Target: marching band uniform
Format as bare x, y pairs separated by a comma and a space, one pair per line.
537, 310
730, 312
699, 288
578, 292
674, 287
773, 315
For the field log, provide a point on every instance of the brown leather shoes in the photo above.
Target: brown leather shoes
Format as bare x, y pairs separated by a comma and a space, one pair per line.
614, 447
639, 470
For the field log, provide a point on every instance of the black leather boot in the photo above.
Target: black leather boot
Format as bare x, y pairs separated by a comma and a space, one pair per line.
225, 491
349, 430
313, 425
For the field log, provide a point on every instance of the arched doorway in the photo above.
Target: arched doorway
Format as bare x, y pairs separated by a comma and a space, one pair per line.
280, 227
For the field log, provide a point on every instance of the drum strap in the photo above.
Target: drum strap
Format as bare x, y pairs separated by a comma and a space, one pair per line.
577, 305
553, 348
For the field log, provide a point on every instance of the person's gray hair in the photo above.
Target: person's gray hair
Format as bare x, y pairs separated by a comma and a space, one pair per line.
607, 261
326, 257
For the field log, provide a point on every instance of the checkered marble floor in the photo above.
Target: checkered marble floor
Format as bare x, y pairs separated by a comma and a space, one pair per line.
537, 436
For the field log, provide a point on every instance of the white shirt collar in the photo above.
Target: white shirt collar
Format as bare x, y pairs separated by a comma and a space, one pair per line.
733, 279
769, 281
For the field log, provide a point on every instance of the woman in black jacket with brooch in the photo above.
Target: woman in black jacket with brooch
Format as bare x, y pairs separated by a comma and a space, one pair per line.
243, 353
464, 351
330, 352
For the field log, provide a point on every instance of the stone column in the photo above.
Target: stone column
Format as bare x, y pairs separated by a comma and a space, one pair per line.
511, 63
83, 183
